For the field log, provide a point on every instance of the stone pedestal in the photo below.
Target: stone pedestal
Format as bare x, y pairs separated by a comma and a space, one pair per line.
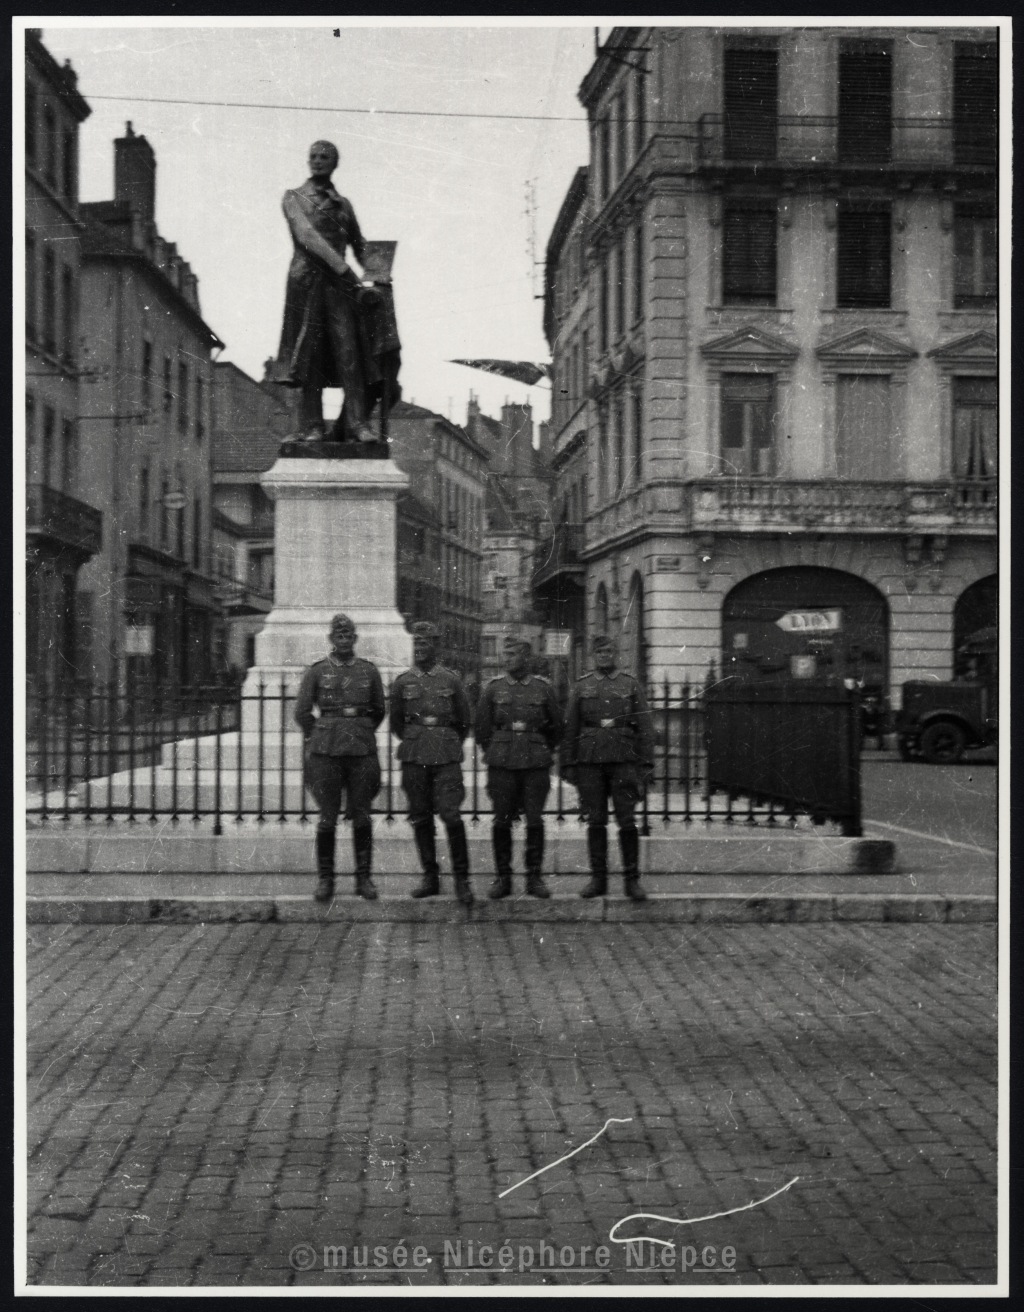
334, 550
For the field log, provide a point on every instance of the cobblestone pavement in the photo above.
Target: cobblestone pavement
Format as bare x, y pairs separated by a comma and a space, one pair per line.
213, 1105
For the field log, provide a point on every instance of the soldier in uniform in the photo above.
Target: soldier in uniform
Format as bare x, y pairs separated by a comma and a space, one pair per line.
341, 750
431, 717
518, 724
608, 752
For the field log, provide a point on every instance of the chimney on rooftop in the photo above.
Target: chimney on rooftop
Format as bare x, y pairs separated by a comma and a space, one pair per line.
135, 174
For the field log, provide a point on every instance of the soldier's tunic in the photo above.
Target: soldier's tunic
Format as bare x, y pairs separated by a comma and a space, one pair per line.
608, 743
518, 725
341, 750
430, 715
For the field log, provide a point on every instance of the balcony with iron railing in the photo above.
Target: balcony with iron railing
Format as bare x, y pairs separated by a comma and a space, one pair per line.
754, 505
826, 140
62, 520
559, 555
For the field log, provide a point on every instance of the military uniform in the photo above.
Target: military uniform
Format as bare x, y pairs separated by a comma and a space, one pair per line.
430, 715
608, 752
518, 724
341, 753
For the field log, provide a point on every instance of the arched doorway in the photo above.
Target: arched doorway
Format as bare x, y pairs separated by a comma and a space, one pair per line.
633, 651
601, 609
805, 622
976, 613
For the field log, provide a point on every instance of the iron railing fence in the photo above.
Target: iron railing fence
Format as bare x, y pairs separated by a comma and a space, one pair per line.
147, 754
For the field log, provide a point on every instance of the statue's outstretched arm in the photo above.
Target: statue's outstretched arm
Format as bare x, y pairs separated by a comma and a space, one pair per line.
306, 236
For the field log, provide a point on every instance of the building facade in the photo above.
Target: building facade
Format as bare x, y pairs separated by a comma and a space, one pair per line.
559, 580
440, 531
64, 527
249, 421
793, 359
517, 516
147, 599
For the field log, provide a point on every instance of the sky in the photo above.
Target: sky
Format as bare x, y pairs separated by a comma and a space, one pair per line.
450, 190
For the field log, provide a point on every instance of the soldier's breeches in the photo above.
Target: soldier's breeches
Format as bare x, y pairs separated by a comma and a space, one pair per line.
518, 792
433, 789
597, 783
327, 777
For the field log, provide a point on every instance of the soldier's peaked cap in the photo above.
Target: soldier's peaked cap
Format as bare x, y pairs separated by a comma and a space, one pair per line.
513, 641
341, 621
602, 643
424, 629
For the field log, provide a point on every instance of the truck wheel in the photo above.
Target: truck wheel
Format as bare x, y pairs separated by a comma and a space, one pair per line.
943, 743
906, 751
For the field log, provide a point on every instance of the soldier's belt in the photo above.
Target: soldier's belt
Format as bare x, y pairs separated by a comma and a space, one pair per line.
600, 724
519, 726
345, 713
433, 721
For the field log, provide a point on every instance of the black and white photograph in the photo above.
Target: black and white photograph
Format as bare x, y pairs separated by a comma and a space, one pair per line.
507, 659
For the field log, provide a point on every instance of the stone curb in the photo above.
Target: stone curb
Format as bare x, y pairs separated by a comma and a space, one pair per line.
694, 908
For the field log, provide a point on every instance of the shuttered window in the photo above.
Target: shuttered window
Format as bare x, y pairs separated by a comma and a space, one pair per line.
748, 424
602, 305
975, 427
748, 255
621, 149
975, 102
638, 273
620, 290
974, 254
604, 156
865, 427
865, 102
751, 79
863, 257
640, 111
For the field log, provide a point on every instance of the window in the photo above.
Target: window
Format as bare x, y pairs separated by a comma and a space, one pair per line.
974, 257
67, 300
748, 255
751, 99
49, 301
748, 424
865, 101
638, 273
69, 457
147, 379
30, 427
620, 290
602, 305
69, 166
182, 397
621, 139
602, 452
168, 394
604, 156
863, 271
165, 514
197, 534
31, 286
864, 427
975, 102
639, 111
638, 429
50, 146
49, 424
179, 533
601, 609
144, 502
31, 122
975, 428
619, 447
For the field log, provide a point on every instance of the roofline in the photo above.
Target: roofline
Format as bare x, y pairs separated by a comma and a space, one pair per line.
452, 427
602, 71
575, 199
119, 254
63, 85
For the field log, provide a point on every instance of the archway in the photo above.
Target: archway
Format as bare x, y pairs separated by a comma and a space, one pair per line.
806, 622
633, 651
976, 608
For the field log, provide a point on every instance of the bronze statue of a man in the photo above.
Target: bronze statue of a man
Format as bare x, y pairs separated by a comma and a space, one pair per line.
337, 332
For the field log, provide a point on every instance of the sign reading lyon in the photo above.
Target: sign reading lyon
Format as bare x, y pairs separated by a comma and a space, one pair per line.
811, 621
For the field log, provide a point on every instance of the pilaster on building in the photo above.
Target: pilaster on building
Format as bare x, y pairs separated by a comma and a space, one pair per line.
779, 349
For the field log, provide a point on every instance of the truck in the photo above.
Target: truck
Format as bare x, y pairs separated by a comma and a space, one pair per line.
938, 722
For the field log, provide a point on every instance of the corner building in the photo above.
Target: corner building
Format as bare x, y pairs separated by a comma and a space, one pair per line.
792, 369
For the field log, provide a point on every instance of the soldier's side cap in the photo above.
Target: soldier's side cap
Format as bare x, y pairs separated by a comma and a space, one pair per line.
341, 621
602, 643
424, 629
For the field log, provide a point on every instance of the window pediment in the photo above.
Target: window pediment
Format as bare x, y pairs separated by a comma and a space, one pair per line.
748, 347
865, 346
978, 348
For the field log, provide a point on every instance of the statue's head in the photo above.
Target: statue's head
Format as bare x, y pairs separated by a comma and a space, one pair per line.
323, 158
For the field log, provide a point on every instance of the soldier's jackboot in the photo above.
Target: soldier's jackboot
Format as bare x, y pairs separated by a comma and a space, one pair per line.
597, 849
324, 865
430, 885
460, 861
362, 844
535, 885
501, 840
629, 845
